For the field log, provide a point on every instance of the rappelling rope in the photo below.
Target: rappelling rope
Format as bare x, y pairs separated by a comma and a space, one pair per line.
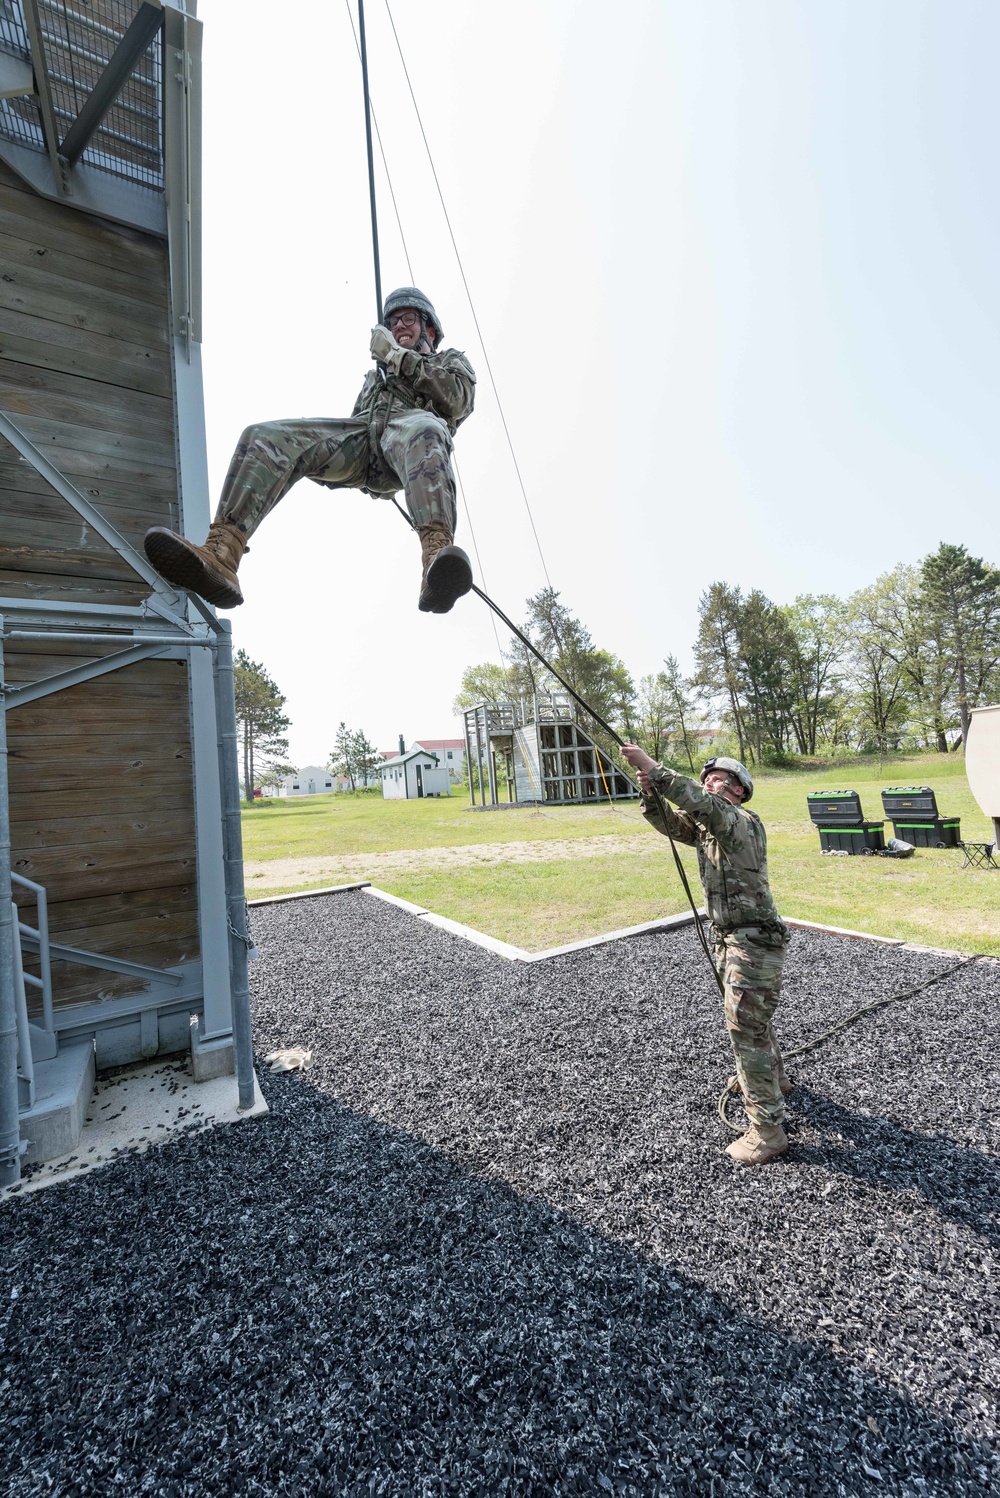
468, 293
732, 1085
378, 136
371, 161
621, 744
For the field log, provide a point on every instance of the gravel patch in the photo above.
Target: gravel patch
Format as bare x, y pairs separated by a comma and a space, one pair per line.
490, 1243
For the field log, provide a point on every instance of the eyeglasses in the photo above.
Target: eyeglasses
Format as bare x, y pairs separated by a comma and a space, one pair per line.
403, 319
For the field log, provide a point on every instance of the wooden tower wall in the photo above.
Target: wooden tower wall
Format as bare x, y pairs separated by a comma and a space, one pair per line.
100, 773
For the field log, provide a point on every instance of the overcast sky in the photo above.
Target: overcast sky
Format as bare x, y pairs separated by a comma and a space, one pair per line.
735, 266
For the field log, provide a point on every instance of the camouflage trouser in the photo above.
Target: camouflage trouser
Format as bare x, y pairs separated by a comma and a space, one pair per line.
274, 455
749, 962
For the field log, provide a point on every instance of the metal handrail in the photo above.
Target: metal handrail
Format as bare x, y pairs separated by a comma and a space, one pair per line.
42, 934
25, 1060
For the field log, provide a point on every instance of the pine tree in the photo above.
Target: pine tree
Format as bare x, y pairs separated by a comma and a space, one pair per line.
342, 756
718, 655
879, 680
599, 677
365, 756
819, 626
962, 595
261, 722
680, 708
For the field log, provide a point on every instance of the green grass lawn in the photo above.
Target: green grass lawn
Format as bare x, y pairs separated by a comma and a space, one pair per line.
926, 898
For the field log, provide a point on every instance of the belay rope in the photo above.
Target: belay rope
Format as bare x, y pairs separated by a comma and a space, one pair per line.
486, 599
621, 744
856, 1014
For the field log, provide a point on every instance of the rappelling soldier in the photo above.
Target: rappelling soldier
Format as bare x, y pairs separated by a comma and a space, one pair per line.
399, 436
750, 936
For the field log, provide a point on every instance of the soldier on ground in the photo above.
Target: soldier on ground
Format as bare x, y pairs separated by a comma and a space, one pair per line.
750, 936
399, 436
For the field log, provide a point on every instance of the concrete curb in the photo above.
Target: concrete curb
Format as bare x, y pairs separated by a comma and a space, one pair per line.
886, 941
665, 923
478, 938
381, 894
309, 894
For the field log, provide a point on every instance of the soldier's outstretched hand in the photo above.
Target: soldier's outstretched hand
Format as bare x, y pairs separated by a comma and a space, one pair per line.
639, 760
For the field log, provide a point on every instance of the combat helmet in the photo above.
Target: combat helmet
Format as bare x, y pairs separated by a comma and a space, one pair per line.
734, 767
410, 296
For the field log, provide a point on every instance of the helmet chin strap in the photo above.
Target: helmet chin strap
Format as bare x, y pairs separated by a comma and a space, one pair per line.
423, 339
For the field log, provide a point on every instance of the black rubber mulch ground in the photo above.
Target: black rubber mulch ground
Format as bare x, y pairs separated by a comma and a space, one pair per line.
490, 1244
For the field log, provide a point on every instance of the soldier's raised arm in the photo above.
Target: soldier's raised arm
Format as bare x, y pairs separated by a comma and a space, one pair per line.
678, 824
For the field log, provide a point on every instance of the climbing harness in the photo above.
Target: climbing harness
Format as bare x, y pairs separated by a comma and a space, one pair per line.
732, 1085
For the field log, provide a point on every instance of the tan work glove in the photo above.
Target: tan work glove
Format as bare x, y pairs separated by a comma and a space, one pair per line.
385, 349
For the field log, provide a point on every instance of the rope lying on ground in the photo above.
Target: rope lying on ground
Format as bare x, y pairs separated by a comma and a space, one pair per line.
811, 1045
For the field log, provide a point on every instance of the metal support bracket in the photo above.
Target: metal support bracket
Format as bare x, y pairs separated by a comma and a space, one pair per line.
31, 691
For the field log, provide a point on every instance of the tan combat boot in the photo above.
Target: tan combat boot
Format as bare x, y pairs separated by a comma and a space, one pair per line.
760, 1143
209, 570
447, 570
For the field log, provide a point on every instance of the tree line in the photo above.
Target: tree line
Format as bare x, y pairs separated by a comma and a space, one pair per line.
898, 664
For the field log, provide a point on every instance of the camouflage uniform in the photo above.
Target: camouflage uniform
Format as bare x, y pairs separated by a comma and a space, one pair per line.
399, 436
750, 937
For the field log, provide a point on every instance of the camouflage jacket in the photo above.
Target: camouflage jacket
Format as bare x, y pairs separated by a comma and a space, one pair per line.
444, 383
732, 849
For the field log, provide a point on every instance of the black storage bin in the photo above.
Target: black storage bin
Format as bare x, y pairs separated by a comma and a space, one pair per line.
931, 832
916, 819
843, 826
866, 837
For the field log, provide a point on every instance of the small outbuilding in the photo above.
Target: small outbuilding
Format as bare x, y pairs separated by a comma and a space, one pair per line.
311, 781
407, 777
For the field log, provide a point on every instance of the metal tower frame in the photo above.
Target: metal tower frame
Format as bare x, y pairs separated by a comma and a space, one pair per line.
561, 762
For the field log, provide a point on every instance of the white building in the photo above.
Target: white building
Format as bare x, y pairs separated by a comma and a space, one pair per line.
450, 753
310, 781
407, 777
